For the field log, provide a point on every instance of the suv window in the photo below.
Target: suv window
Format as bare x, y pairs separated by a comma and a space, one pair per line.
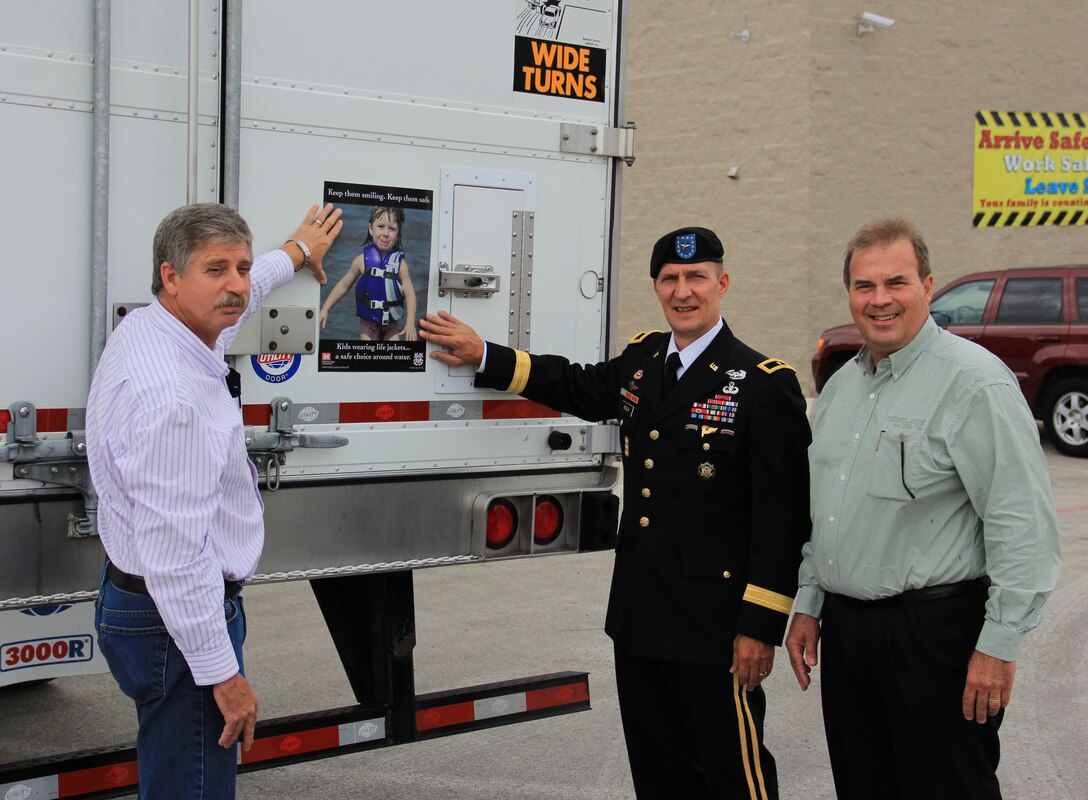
1082, 299
1031, 301
964, 304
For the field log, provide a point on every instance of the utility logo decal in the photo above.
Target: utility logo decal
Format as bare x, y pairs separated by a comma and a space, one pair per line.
275, 367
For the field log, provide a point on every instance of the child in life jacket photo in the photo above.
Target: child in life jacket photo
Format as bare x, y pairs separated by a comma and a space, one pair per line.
385, 299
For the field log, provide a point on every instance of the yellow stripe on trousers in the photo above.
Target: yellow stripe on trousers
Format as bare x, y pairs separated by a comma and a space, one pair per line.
749, 743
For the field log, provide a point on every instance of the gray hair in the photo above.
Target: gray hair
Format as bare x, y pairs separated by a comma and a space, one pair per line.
189, 228
884, 232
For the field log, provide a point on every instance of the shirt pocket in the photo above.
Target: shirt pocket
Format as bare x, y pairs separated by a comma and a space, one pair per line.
892, 468
707, 462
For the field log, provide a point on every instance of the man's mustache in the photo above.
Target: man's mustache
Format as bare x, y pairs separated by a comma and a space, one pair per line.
231, 300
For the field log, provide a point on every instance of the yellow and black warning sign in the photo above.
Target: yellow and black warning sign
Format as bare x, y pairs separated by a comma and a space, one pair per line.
559, 69
1031, 169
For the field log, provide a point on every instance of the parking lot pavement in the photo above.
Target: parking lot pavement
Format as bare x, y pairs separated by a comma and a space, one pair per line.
498, 621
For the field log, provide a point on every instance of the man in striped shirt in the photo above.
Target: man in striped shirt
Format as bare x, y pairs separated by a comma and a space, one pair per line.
180, 515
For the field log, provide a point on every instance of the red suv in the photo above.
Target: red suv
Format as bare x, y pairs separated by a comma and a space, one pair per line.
1034, 319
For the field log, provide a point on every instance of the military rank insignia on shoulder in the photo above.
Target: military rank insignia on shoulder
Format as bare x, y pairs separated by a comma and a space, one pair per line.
772, 365
638, 337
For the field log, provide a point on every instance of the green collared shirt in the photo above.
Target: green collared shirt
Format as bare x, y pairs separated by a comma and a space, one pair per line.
927, 471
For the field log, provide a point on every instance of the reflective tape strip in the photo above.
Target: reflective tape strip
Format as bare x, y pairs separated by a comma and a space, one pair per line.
516, 408
468, 711
49, 420
768, 599
522, 365
31, 789
366, 731
96, 779
313, 740
260, 414
500, 706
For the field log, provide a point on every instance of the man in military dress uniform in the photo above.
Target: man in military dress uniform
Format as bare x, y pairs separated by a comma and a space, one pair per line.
715, 511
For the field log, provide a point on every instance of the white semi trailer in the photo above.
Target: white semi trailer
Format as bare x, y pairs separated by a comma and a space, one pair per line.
496, 128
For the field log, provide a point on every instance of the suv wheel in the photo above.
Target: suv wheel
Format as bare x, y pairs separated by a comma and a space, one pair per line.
1065, 416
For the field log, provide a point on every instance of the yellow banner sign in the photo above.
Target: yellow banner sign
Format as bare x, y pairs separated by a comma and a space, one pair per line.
1031, 169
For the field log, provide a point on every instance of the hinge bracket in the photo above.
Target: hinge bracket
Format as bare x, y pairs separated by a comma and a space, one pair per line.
598, 140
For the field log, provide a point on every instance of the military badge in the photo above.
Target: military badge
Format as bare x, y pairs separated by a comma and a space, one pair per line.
730, 388
631, 398
716, 409
707, 430
707, 471
772, 365
713, 367
685, 246
690, 427
638, 375
736, 374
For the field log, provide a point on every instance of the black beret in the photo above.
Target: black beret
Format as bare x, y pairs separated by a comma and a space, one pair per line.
686, 246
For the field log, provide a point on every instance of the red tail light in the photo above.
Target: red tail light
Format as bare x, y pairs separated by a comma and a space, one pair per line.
547, 520
502, 523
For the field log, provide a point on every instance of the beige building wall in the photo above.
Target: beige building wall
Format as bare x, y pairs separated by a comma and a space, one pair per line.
829, 130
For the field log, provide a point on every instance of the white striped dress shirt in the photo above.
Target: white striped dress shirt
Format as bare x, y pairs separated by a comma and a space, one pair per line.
178, 498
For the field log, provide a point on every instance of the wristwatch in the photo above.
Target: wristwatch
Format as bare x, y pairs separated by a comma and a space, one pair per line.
304, 250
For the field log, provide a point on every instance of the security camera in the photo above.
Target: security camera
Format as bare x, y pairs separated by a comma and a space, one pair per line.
877, 20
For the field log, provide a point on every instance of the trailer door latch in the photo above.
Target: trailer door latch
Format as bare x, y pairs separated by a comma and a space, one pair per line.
268, 449
467, 280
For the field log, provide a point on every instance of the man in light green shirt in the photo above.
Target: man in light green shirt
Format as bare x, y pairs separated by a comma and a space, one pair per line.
934, 540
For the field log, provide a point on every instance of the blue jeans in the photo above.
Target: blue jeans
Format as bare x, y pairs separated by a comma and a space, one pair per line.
177, 748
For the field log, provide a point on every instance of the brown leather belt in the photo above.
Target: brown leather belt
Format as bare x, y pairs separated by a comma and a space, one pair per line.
136, 585
919, 595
